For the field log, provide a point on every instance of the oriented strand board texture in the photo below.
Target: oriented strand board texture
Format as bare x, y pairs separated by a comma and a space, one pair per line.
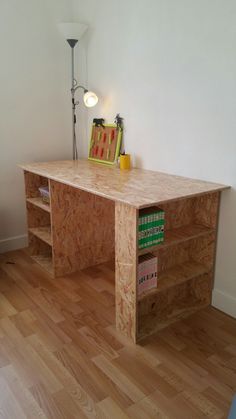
82, 228
36, 216
201, 249
162, 309
179, 213
206, 209
43, 233
41, 251
32, 183
200, 210
136, 187
186, 268
38, 202
126, 269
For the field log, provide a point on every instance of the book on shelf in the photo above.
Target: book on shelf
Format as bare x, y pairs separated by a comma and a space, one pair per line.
150, 227
147, 272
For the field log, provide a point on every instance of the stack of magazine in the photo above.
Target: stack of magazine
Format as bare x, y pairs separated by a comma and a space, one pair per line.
150, 227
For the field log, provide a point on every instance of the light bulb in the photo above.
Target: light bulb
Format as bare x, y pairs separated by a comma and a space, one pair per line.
90, 99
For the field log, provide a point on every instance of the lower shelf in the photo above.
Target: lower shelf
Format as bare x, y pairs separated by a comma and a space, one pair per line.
175, 276
43, 233
45, 261
161, 309
177, 314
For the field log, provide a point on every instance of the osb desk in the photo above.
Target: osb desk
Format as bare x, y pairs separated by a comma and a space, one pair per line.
93, 216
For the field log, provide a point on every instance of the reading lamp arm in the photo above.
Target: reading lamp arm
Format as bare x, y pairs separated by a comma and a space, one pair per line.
79, 87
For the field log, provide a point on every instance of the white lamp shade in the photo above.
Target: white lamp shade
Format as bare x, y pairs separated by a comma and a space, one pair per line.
72, 30
90, 99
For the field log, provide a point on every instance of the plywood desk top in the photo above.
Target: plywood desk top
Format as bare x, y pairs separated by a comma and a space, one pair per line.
137, 187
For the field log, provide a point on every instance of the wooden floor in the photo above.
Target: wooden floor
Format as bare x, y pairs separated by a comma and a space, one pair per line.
60, 355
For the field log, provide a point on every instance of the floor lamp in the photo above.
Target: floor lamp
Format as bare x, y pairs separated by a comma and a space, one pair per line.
72, 33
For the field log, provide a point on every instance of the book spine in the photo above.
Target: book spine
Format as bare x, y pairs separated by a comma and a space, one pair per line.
147, 275
151, 229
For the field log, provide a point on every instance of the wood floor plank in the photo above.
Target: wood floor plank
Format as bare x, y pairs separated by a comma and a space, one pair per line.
6, 308
63, 375
202, 404
141, 354
6, 282
67, 406
61, 356
24, 322
18, 299
9, 407
23, 396
81, 373
178, 408
119, 378
211, 368
46, 402
187, 370
147, 377
97, 340
101, 385
107, 409
146, 409
216, 399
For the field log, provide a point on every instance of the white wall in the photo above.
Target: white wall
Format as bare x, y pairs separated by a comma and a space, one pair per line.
35, 118
168, 67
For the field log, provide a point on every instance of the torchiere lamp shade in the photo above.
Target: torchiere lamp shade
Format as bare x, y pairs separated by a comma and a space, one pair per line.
73, 31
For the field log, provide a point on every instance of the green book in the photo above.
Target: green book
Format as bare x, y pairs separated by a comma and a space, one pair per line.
150, 227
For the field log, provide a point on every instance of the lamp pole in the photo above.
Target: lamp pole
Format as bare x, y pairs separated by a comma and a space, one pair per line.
72, 43
72, 32
74, 87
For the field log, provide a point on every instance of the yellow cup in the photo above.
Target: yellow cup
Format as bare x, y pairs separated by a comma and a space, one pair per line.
125, 161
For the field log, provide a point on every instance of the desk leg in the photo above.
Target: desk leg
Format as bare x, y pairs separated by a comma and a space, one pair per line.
126, 269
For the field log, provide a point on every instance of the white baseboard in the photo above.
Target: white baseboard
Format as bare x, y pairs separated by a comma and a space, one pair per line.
13, 243
224, 302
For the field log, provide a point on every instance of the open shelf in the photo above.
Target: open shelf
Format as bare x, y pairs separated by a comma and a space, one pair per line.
39, 203
175, 276
43, 233
178, 235
182, 310
172, 304
45, 261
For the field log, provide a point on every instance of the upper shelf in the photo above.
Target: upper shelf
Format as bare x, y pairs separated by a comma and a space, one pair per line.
137, 187
178, 235
39, 203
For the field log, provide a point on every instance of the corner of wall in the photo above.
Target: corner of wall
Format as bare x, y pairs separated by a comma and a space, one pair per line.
224, 302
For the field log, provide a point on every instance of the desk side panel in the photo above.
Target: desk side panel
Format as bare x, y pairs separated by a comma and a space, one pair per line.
126, 269
82, 228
